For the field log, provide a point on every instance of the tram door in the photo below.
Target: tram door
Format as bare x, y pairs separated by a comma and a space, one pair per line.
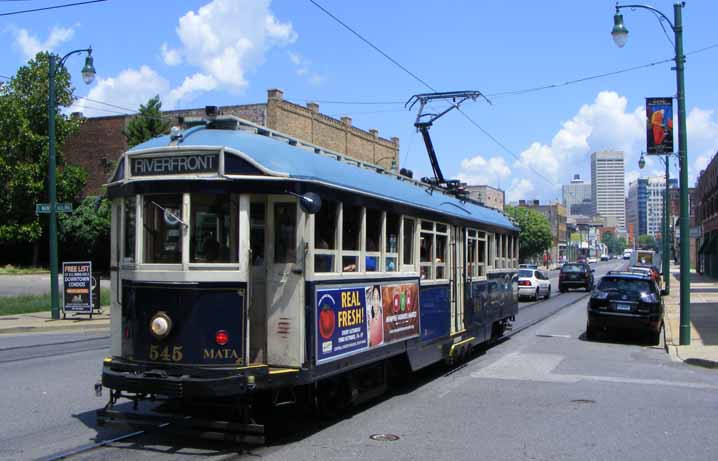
285, 277
258, 279
456, 278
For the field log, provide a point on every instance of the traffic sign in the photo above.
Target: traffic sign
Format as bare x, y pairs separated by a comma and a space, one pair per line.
60, 207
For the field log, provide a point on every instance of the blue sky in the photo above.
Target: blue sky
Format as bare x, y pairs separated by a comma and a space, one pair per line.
195, 53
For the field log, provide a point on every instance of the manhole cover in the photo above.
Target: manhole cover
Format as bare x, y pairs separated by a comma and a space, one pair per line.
586, 401
384, 437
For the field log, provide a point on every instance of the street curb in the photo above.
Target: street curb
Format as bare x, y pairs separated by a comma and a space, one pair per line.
51, 328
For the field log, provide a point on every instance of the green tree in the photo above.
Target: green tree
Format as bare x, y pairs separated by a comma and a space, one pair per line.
534, 231
85, 233
148, 124
647, 242
621, 245
24, 150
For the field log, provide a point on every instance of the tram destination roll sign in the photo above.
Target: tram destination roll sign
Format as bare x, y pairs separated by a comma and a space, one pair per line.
77, 284
175, 164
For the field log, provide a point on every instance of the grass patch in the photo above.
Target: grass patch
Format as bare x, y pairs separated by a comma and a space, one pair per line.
11, 305
9, 269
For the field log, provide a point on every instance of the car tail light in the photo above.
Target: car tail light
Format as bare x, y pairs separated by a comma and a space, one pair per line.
524, 283
221, 337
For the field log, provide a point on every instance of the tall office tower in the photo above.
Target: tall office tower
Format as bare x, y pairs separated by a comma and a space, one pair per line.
608, 190
655, 192
575, 193
636, 206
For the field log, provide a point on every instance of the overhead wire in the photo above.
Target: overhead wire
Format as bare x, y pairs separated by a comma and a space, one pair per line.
395, 62
54, 7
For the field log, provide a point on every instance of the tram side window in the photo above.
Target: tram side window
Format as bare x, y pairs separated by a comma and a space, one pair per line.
214, 236
373, 239
325, 237
471, 244
130, 229
285, 232
426, 249
442, 236
392, 243
162, 228
351, 233
408, 242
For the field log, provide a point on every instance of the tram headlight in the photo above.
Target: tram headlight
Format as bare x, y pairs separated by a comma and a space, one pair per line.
160, 325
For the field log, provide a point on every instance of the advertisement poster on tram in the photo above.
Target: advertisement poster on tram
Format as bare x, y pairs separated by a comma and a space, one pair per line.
77, 284
354, 319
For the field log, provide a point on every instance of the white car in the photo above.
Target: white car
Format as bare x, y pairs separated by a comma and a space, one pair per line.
534, 284
592, 260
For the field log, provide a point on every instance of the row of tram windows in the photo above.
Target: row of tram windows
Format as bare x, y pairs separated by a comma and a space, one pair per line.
342, 238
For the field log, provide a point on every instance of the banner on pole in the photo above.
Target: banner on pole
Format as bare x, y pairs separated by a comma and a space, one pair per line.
659, 126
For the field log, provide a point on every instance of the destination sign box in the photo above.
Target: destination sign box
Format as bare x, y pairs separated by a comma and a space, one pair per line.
175, 164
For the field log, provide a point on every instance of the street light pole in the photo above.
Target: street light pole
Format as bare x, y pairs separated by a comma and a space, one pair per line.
88, 75
620, 35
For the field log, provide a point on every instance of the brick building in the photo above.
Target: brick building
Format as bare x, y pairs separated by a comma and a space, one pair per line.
100, 140
488, 196
706, 217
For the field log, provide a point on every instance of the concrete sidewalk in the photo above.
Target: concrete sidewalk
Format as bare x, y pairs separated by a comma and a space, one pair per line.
39, 322
703, 349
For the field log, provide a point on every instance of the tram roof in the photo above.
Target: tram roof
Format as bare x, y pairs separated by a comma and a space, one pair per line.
275, 157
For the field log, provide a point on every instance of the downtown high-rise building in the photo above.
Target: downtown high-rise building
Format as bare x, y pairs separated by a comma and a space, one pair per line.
645, 204
577, 193
608, 190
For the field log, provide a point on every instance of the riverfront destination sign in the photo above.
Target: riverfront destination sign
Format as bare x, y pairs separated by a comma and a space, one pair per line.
175, 164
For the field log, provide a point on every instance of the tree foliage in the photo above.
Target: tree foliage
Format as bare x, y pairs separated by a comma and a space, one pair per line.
647, 242
534, 231
148, 124
24, 148
615, 245
86, 231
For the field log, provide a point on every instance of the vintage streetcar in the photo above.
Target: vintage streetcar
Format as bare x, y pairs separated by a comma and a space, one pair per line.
251, 269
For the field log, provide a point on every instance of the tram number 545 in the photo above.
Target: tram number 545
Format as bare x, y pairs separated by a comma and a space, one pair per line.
166, 354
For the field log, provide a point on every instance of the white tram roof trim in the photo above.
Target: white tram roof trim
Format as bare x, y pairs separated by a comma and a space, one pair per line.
275, 157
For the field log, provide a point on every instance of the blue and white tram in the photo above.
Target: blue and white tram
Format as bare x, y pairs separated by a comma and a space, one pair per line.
248, 263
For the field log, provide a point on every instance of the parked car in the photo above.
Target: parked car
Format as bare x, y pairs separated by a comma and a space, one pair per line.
575, 275
649, 270
604, 257
533, 284
528, 266
592, 260
625, 300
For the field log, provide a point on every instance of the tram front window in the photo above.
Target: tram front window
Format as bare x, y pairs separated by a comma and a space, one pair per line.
130, 216
163, 229
214, 234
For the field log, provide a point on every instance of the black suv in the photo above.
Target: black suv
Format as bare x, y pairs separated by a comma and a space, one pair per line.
625, 300
575, 275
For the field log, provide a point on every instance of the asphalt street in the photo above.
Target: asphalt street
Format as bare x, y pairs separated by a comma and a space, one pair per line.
544, 393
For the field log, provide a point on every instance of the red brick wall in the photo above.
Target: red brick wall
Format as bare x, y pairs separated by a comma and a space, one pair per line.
95, 147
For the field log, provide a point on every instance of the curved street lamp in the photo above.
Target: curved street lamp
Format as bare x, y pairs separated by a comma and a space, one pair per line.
88, 76
620, 36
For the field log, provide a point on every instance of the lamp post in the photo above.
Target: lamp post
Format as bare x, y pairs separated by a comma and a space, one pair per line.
620, 35
666, 216
88, 75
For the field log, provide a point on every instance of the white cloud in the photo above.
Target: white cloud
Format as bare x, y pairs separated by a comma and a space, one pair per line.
171, 56
479, 171
227, 39
520, 188
303, 68
128, 89
604, 124
29, 45
190, 87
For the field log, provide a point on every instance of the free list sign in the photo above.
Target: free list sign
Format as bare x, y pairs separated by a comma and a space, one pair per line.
175, 164
77, 286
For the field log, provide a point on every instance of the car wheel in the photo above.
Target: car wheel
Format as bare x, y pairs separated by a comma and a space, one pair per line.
561, 289
548, 293
590, 332
536, 295
654, 337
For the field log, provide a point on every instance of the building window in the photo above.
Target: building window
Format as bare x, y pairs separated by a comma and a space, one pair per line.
325, 237
391, 260
130, 229
162, 215
351, 236
214, 233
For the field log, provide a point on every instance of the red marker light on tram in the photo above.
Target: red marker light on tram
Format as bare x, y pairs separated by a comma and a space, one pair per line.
221, 337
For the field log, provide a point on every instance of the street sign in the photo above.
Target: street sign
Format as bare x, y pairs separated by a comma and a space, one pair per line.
78, 286
45, 208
